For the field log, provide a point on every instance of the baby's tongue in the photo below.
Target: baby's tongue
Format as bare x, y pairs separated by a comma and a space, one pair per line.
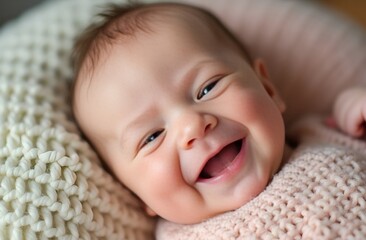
220, 161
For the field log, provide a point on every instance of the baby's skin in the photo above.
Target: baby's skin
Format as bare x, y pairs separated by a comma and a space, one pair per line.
350, 111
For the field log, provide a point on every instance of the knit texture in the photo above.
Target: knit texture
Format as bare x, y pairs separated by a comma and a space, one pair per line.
52, 184
319, 194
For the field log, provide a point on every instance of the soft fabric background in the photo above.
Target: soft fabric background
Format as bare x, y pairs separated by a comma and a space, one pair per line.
355, 9
12, 9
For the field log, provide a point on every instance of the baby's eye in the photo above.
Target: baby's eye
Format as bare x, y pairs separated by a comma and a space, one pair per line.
152, 137
206, 89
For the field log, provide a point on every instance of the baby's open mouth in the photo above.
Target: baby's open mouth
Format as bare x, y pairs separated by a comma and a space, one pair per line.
221, 161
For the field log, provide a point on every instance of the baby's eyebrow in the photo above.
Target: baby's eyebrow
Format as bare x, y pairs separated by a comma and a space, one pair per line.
137, 121
195, 69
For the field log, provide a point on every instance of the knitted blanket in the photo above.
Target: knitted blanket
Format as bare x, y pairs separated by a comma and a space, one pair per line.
52, 184
319, 194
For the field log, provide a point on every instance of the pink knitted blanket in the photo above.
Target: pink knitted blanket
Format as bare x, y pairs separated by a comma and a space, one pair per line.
319, 194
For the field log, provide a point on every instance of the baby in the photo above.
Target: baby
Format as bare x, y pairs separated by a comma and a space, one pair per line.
179, 112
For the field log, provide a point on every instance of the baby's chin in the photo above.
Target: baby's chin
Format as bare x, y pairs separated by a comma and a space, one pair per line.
204, 216
239, 198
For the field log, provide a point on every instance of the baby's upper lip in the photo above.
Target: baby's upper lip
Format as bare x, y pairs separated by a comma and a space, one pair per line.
213, 153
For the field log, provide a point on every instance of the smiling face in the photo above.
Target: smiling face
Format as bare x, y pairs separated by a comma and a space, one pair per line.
183, 120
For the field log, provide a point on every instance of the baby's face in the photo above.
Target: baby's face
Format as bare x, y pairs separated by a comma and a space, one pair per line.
183, 121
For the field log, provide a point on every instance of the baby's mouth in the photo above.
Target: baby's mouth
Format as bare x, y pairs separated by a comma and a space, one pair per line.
221, 161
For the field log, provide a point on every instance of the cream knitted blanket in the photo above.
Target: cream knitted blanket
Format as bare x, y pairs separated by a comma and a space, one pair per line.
52, 184
319, 194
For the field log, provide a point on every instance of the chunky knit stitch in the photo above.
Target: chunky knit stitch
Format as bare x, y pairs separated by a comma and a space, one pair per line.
319, 194
52, 184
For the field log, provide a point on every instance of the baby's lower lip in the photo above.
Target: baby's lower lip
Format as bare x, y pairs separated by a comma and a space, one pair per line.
230, 170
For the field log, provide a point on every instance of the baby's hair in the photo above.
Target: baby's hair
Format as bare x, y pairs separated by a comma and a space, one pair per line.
124, 21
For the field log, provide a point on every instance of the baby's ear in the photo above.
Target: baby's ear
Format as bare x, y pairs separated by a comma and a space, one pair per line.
149, 211
260, 69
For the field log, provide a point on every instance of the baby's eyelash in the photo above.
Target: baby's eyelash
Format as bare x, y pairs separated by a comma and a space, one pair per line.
206, 89
152, 137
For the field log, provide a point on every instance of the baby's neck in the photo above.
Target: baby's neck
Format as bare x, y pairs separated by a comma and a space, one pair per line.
286, 155
287, 151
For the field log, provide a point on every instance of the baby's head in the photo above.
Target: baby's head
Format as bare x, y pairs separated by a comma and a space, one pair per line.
176, 109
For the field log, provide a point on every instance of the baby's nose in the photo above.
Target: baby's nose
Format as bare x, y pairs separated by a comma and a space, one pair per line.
192, 126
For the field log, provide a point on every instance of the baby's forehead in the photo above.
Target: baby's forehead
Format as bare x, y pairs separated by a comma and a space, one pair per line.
147, 19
